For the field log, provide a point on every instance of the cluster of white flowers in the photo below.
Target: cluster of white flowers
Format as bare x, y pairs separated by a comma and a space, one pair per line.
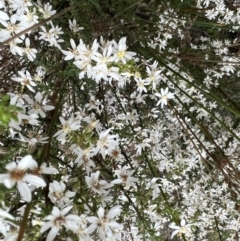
103, 61
134, 140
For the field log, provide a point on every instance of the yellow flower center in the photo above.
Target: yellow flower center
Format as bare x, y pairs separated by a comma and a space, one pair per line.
121, 54
66, 129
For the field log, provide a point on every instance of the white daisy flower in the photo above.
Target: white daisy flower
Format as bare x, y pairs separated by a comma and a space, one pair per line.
17, 175
57, 220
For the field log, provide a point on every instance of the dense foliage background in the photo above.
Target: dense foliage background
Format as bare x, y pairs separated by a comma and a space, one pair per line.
119, 120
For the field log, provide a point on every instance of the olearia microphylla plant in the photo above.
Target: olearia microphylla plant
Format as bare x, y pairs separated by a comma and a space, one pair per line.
119, 120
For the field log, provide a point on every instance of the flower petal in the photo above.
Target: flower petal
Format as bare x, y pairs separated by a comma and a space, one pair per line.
11, 166
66, 210
24, 191
174, 233
55, 212
34, 180
9, 183
52, 234
183, 222
45, 227
27, 162
100, 212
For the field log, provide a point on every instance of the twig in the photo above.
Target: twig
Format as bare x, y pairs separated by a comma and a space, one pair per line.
37, 25
24, 222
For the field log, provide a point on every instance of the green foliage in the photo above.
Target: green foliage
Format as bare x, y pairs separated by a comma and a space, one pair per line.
7, 111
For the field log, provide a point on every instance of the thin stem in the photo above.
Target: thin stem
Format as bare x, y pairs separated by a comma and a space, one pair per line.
24, 222
37, 25
126, 9
218, 230
181, 121
147, 51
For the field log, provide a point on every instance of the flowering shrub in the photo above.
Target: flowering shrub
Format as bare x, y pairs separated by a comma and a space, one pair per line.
119, 120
